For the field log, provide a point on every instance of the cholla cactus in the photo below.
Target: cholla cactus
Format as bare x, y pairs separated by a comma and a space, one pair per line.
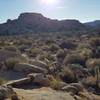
97, 74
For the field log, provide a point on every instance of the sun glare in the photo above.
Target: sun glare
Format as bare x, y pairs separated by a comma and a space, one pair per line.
50, 2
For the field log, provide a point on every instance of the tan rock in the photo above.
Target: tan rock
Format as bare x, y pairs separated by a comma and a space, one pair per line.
39, 63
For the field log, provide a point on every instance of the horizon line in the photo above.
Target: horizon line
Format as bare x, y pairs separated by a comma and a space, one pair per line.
59, 19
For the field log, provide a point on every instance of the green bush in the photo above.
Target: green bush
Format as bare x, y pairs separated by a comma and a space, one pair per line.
91, 63
54, 83
54, 48
94, 42
61, 54
67, 75
10, 63
34, 52
86, 53
74, 59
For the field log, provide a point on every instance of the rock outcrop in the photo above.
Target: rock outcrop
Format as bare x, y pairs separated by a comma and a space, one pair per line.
28, 68
34, 23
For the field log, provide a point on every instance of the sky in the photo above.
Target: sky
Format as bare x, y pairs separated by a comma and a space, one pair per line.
82, 10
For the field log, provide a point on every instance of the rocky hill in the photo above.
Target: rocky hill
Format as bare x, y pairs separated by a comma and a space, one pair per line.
94, 24
35, 23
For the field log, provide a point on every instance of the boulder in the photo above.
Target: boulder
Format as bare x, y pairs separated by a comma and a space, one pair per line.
28, 68
71, 89
19, 82
78, 86
40, 79
39, 63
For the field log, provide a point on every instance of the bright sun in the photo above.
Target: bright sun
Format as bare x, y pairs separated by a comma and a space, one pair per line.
50, 2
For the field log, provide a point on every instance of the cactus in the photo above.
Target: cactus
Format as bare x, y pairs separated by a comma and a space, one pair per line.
97, 73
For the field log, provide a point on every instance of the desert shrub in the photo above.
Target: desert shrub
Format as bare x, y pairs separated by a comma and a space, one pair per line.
94, 42
2, 81
94, 66
49, 42
79, 71
34, 52
90, 81
14, 97
61, 54
10, 63
86, 53
54, 83
97, 52
47, 56
11, 48
23, 47
68, 45
84, 45
2, 43
67, 75
74, 59
53, 47
45, 48
92, 63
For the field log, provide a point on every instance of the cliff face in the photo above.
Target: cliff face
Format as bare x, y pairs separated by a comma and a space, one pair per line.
34, 22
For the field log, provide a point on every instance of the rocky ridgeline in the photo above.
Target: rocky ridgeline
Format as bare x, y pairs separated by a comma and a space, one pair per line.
36, 23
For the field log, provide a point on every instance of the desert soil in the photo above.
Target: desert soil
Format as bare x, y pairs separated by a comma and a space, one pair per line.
42, 94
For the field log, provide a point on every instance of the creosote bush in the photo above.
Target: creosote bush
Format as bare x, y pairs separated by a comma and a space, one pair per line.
86, 53
67, 75
94, 42
34, 52
54, 83
54, 48
10, 63
74, 59
61, 54
92, 63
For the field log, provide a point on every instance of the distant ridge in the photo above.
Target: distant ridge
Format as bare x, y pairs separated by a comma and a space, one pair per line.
95, 24
35, 22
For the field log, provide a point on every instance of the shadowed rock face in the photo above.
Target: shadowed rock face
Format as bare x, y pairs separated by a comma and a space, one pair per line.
33, 23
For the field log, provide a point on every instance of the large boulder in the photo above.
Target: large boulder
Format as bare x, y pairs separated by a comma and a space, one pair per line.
19, 82
73, 88
40, 79
28, 68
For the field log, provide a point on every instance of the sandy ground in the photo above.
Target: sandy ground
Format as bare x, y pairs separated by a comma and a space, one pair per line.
42, 94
